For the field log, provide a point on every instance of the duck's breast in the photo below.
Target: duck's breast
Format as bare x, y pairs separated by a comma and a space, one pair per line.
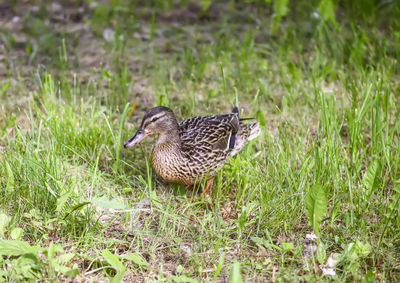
170, 165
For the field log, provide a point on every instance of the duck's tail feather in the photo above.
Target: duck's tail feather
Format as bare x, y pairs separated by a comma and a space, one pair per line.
254, 130
235, 110
246, 119
246, 133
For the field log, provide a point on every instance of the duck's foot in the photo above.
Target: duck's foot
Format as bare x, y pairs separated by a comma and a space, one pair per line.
208, 185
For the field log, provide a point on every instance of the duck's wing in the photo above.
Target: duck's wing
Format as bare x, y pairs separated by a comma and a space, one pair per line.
209, 133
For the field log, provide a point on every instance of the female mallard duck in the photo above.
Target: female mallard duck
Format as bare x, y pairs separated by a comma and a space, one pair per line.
186, 152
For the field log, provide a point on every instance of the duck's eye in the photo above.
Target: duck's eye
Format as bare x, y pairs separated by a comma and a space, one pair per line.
155, 119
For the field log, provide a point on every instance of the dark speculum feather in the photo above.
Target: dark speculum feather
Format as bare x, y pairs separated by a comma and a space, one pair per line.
235, 110
232, 141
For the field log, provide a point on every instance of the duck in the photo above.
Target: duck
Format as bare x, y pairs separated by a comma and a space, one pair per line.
193, 150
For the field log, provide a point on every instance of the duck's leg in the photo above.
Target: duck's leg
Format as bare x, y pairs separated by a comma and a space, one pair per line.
208, 185
188, 187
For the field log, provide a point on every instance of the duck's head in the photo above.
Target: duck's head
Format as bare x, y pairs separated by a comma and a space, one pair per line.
158, 120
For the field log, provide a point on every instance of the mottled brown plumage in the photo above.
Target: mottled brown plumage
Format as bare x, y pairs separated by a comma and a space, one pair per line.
193, 149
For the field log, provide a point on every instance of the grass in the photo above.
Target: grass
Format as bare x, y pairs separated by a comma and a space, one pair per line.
75, 204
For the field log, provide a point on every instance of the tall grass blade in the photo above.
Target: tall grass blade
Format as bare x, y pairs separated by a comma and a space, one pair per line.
316, 206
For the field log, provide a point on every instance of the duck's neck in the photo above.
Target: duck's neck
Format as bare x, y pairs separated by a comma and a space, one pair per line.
170, 138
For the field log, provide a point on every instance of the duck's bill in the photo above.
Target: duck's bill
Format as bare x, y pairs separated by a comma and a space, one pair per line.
137, 138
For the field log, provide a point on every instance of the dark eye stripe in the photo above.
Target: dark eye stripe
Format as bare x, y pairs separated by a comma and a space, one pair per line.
152, 121
155, 119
